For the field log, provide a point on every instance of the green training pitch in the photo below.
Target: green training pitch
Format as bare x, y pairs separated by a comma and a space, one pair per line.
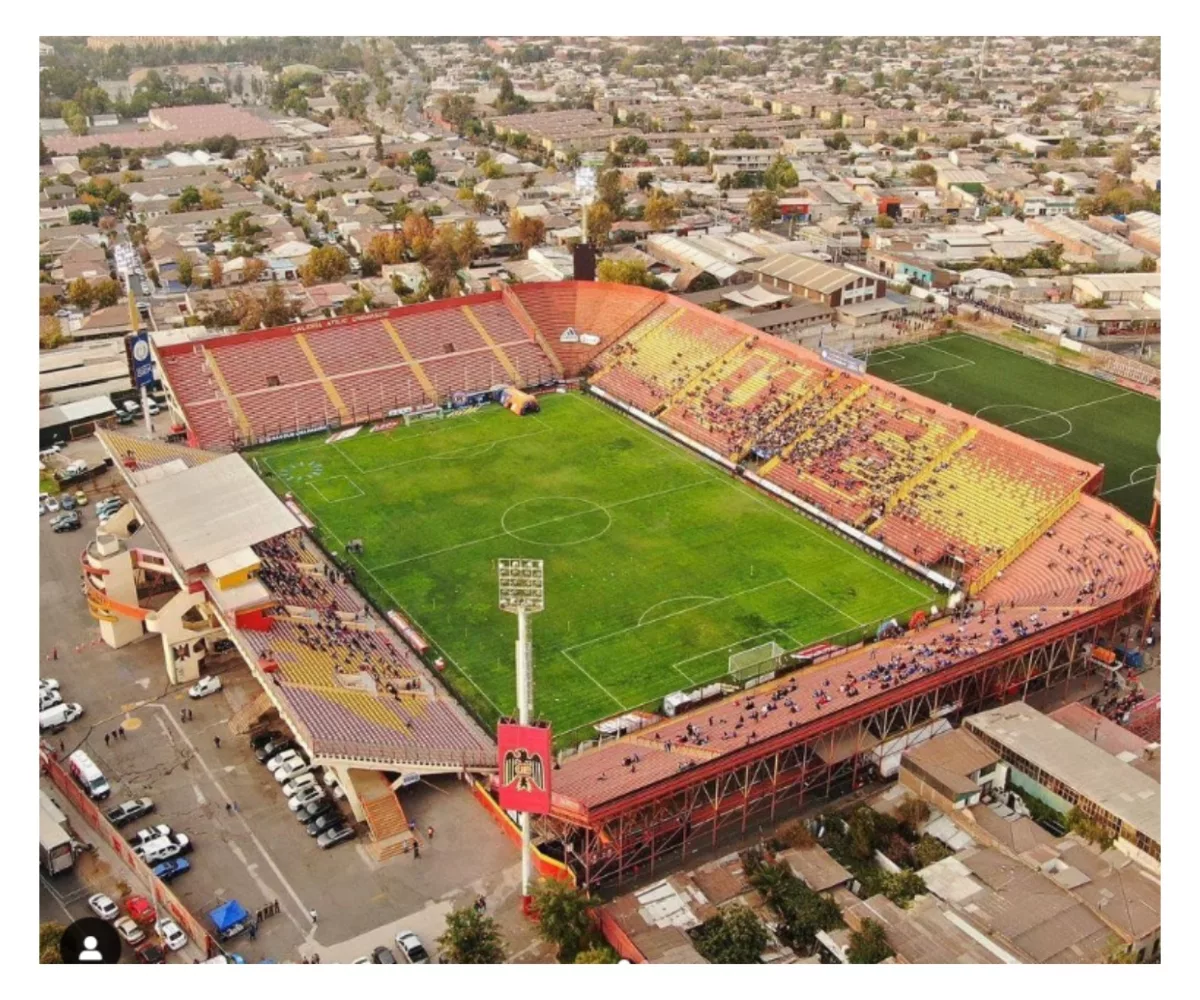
1098, 421
657, 565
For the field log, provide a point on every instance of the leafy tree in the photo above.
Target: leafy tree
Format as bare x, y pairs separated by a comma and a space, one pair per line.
868, 945
50, 333
525, 231
215, 272
107, 292
49, 936
75, 118
43, 153
609, 189
598, 955
780, 175
425, 173
884, 221
1092, 831
599, 223
324, 264
564, 917
189, 199
81, 294
1067, 149
762, 208
185, 270
47, 305
627, 272
661, 210
923, 173
644, 179
735, 936
838, 141
471, 938
929, 850
256, 163
81, 216
1123, 160
1117, 952
252, 269
803, 912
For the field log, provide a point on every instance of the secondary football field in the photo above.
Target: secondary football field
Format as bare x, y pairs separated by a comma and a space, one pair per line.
1098, 421
657, 565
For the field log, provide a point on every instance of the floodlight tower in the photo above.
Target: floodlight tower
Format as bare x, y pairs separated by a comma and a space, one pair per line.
522, 592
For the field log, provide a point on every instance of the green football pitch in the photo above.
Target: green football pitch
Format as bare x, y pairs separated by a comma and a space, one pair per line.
1088, 417
657, 566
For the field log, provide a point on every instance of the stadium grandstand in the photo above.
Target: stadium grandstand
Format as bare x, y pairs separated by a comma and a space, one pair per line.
1034, 568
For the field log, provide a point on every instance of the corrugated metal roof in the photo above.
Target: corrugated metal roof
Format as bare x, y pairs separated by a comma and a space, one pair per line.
807, 273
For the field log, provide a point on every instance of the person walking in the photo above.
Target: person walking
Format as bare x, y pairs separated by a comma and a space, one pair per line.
312, 914
429, 833
106, 739
217, 742
183, 715
416, 850
121, 731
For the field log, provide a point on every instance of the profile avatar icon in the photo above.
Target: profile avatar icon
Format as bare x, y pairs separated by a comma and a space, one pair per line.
90, 941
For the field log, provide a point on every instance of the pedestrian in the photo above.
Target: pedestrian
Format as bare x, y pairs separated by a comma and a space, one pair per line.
183, 715
191, 715
313, 916
62, 746
54, 652
217, 742
416, 850
121, 731
412, 826
106, 739
228, 807
429, 833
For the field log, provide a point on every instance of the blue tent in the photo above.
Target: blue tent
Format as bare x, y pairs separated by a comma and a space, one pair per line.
228, 915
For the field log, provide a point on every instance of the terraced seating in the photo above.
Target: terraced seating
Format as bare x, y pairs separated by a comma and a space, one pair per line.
188, 377
287, 408
982, 500
251, 364
363, 346
372, 394
430, 333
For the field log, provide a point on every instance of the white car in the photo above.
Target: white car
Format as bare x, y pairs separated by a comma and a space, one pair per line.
292, 769
299, 782
304, 797
103, 907
172, 935
282, 758
335, 789
411, 948
41, 509
47, 684
51, 505
130, 932
205, 686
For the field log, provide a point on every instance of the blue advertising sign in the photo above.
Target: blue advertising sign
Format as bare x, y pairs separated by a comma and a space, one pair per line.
143, 363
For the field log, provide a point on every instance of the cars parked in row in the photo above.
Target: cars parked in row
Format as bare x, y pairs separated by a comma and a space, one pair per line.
411, 948
168, 871
127, 812
103, 907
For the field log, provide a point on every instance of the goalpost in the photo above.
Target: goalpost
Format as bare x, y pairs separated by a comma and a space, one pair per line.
753, 664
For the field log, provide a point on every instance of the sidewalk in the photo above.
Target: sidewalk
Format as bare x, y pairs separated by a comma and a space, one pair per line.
105, 872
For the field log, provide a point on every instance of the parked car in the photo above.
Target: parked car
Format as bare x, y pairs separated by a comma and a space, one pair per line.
144, 836
183, 842
411, 948
265, 753
52, 505
325, 821
130, 932
383, 956
59, 715
103, 907
127, 812
168, 871
67, 502
47, 684
335, 789
150, 954
140, 909
204, 687
262, 739
172, 935
290, 788
41, 508
282, 759
222, 645
318, 808
48, 698
293, 769
163, 849
304, 797
81, 498
66, 522
334, 836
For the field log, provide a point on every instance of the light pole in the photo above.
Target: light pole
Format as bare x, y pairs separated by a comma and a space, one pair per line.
523, 593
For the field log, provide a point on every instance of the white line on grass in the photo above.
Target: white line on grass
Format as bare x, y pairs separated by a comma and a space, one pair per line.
832, 607
359, 495
539, 524
593, 679
455, 452
1068, 409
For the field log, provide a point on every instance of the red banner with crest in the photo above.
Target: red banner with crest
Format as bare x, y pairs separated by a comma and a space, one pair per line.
525, 764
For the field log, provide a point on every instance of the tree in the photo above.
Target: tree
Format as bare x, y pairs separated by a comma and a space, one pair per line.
185, 270
1067, 149
780, 175
471, 938
735, 936
215, 272
598, 955
762, 208
81, 216
884, 221
923, 173
868, 944
107, 292
252, 269
1122, 160
256, 163
661, 210
49, 936
50, 333
75, 118
627, 272
81, 294
644, 179
564, 917
525, 231
609, 189
324, 264
599, 223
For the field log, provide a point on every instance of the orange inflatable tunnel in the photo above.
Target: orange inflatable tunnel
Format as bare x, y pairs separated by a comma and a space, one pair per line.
517, 401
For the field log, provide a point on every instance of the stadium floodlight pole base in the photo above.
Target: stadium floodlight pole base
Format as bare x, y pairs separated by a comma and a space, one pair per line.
522, 592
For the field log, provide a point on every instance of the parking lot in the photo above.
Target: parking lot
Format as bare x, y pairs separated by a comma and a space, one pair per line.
248, 846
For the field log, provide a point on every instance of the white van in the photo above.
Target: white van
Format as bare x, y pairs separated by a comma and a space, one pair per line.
88, 775
76, 467
131, 407
59, 715
160, 849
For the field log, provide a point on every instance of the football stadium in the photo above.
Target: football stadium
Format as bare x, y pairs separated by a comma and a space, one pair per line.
765, 574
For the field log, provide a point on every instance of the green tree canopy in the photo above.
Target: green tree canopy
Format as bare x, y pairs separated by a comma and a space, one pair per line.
471, 938
564, 917
735, 936
868, 945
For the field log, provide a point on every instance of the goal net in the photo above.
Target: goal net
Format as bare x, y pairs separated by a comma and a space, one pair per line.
750, 664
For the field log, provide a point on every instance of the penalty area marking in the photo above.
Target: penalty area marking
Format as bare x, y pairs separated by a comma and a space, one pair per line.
703, 598
1134, 480
356, 496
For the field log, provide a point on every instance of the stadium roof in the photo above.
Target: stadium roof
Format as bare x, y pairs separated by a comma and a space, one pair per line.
211, 510
1092, 772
